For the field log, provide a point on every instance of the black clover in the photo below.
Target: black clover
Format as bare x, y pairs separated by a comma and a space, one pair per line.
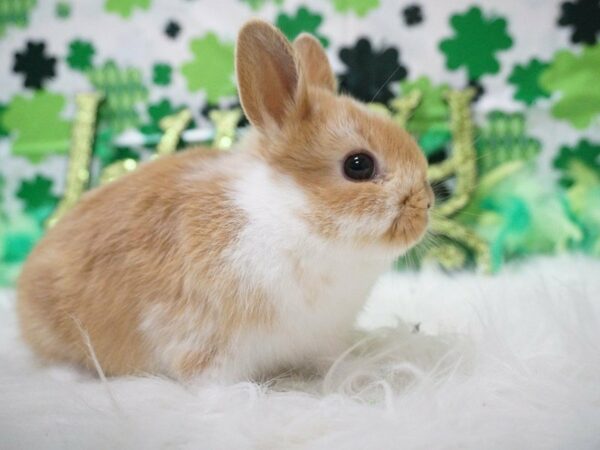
172, 29
413, 15
34, 64
369, 73
479, 89
584, 17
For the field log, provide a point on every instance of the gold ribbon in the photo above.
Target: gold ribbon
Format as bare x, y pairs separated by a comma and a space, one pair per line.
80, 152
462, 164
225, 123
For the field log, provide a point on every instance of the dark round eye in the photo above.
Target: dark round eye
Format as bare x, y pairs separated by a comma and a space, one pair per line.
359, 167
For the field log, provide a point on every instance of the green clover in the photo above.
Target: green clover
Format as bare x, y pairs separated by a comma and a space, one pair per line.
161, 74
475, 43
81, 55
62, 10
37, 124
576, 77
359, 7
579, 164
526, 79
303, 21
125, 8
37, 196
211, 69
258, 4
3, 131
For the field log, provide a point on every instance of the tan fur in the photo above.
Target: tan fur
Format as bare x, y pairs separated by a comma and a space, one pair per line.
267, 94
127, 246
338, 127
150, 250
314, 61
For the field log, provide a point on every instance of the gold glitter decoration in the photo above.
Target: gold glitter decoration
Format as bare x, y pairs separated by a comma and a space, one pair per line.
117, 170
401, 107
173, 127
225, 123
404, 106
80, 152
462, 165
448, 255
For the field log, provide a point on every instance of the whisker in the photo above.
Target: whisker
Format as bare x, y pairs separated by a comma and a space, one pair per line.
385, 83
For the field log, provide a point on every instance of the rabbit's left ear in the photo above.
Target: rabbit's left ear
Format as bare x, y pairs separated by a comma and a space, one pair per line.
270, 81
314, 62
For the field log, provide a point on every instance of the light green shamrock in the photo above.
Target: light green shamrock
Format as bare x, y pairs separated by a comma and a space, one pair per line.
37, 125
360, 7
257, 4
576, 77
62, 10
125, 8
211, 69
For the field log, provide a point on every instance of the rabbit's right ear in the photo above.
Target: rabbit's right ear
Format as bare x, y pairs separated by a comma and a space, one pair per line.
269, 79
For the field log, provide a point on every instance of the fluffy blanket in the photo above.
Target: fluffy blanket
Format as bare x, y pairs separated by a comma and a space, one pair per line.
442, 361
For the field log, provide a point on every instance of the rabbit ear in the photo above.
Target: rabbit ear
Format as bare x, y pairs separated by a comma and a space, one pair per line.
314, 61
268, 75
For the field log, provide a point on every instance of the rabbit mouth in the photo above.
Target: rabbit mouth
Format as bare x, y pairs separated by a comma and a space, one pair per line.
408, 227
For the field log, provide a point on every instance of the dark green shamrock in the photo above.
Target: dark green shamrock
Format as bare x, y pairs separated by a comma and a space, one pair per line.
161, 74
303, 21
37, 197
81, 55
578, 162
475, 43
526, 79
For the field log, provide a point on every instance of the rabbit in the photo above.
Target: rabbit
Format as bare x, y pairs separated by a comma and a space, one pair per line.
235, 265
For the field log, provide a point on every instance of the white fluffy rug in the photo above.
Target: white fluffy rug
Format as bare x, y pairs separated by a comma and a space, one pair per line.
504, 362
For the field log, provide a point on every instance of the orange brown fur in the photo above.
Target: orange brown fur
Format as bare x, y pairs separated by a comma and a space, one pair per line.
143, 266
123, 249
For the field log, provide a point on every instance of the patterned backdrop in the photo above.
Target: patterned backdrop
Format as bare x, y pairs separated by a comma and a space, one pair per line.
534, 65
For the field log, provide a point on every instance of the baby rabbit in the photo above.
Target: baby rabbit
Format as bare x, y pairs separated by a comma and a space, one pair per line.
235, 265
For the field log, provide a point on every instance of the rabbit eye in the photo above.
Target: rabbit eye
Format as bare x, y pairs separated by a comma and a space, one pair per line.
359, 167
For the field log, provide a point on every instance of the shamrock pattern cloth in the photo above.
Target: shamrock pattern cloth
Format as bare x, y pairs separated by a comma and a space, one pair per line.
534, 67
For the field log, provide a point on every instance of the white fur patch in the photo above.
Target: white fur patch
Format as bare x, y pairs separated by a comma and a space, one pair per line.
316, 287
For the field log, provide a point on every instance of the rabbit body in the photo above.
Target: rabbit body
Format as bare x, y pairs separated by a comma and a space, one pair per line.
193, 262
234, 265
